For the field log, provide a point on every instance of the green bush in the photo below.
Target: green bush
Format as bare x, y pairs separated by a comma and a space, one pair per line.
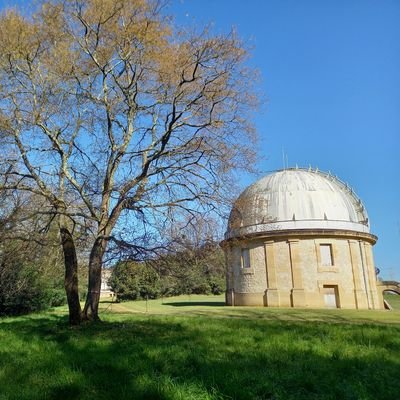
190, 271
217, 285
25, 288
20, 290
55, 297
132, 281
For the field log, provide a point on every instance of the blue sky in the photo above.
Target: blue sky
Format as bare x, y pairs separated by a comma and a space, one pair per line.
331, 75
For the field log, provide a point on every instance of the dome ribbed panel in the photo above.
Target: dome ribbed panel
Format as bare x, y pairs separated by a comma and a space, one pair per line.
298, 195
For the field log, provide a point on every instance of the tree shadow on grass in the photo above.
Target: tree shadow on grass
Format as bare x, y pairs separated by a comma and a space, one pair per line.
308, 316
197, 358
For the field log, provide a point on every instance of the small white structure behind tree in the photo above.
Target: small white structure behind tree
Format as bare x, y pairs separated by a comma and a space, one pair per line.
105, 288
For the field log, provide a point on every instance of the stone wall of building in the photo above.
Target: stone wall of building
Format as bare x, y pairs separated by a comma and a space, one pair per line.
289, 272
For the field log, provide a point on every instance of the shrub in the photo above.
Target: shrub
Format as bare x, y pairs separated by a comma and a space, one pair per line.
27, 287
190, 271
132, 281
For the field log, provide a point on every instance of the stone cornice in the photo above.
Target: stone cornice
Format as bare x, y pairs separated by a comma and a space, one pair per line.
304, 234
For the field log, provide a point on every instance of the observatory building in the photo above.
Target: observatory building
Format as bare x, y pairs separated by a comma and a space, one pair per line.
300, 238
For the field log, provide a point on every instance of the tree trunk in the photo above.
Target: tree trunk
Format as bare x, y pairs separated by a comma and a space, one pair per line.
71, 276
91, 309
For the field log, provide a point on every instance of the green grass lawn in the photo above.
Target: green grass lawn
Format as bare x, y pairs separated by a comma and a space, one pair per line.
195, 348
393, 300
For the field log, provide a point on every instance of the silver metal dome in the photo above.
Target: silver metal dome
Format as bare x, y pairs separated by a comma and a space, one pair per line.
297, 199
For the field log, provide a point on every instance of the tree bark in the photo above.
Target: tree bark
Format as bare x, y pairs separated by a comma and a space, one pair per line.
91, 309
71, 276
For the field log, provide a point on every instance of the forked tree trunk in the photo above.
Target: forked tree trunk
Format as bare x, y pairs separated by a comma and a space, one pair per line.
71, 276
91, 309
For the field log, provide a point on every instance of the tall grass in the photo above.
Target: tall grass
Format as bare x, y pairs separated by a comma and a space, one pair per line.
202, 351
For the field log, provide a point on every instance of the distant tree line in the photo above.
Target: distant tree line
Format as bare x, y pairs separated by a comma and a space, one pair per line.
30, 279
31, 263
31, 259
31, 275
194, 270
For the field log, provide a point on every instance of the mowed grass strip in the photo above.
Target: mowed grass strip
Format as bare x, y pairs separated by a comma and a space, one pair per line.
202, 351
393, 300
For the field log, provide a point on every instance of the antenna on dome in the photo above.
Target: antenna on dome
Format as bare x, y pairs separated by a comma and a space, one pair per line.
285, 161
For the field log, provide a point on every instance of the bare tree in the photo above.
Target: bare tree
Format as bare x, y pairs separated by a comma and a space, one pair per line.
112, 115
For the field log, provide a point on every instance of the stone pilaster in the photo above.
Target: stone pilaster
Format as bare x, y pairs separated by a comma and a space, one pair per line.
359, 284
272, 294
298, 295
229, 293
370, 267
366, 278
